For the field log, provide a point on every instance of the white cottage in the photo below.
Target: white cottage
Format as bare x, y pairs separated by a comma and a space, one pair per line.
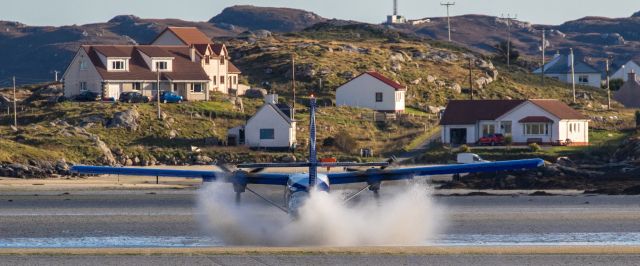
374, 91
526, 121
272, 127
559, 68
626, 69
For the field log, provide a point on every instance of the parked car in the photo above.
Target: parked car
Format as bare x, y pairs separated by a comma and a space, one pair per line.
133, 97
467, 158
87, 96
493, 139
170, 97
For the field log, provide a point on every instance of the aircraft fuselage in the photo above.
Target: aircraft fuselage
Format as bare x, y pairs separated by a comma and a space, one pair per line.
297, 190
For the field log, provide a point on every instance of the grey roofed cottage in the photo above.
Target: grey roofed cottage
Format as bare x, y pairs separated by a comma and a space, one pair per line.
560, 68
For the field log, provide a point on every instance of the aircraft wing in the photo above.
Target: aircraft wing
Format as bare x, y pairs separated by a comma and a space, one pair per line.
82, 169
409, 173
257, 178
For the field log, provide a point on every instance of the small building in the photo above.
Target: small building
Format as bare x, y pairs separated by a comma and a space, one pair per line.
526, 121
374, 91
559, 68
629, 93
272, 127
624, 70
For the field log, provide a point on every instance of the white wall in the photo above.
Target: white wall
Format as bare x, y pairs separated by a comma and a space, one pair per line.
74, 75
579, 133
595, 79
265, 118
517, 129
168, 38
361, 92
623, 72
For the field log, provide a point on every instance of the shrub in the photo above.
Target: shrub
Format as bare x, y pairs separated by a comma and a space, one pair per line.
464, 148
345, 142
508, 140
534, 147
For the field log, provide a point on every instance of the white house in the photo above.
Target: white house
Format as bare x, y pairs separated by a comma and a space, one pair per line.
272, 127
526, 121
559, 68
374, 91
190, 64
214, 57
624, 70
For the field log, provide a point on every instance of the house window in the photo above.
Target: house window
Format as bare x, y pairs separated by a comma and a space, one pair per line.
235, 80
197, 88
267, 133
505, 126
222, 60
117, 65
83, 65
137, 86
536, 129
378, 97
488, 129
221, 79
174, 87
583, 79
83, 86
162, 65
207, 60
215, 81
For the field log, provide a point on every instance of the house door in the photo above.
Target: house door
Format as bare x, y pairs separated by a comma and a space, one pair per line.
458, 136
114, 91
241, 138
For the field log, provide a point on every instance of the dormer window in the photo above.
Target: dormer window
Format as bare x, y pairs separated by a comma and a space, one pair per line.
222, 60
206, 60
118, 65
162, 65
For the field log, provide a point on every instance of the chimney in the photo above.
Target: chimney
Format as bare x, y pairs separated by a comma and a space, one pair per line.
632, 75
271, 98
192, 53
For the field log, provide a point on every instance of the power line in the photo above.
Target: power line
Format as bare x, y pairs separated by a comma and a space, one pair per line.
448, 5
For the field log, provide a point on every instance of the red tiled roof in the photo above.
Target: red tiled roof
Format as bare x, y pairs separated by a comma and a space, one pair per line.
154, 51
113, 50
558, 109
188, 35
386, 80
231, 68
201, 48
536, 119
183, 67
465, 112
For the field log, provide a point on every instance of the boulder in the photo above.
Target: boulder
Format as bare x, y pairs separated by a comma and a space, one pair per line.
431, 79
396, 57
256, 93
127, 119
262, 34
455, 87
416, 81
396, 67
107, 156
173, 134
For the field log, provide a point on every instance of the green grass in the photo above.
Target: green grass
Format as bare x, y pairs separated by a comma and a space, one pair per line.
414, 111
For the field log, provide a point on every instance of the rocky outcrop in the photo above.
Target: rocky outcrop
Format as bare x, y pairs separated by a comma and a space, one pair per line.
127, 119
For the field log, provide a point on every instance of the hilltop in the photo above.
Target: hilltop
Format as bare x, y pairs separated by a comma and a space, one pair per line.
266, 18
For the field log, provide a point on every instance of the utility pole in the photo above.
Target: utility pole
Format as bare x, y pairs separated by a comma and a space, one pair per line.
448, 5
608, 86
15, 109
293, 83
509, 18
56, 75
158, 91
471, 76
395, 7
544, 47
573, 75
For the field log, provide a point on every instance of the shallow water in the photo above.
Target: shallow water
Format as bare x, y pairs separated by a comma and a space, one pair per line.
551, 239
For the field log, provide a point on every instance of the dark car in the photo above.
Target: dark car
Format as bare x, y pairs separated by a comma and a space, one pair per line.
170, 97
133, 97
493, 139
87, 96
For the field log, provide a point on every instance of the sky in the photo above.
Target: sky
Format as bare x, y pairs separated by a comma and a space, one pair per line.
68, 12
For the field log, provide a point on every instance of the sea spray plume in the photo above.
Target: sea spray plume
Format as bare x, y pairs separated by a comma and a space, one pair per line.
404, 216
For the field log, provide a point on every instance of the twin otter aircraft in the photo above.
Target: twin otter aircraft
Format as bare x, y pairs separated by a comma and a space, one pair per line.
298, 185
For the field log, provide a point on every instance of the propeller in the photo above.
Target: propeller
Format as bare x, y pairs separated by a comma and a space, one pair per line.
392, 161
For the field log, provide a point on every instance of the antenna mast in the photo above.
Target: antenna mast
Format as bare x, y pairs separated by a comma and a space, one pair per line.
573, 75
395, 7
509, 18
448, 5
293, 84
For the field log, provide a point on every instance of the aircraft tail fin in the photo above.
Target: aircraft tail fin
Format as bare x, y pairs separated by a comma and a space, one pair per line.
313, 156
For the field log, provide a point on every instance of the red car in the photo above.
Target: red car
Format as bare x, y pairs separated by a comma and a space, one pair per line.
493, 139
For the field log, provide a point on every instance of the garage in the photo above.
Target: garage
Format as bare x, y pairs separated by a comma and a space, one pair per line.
458, 136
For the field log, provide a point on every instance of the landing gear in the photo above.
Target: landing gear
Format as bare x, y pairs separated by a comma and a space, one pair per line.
238, 197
